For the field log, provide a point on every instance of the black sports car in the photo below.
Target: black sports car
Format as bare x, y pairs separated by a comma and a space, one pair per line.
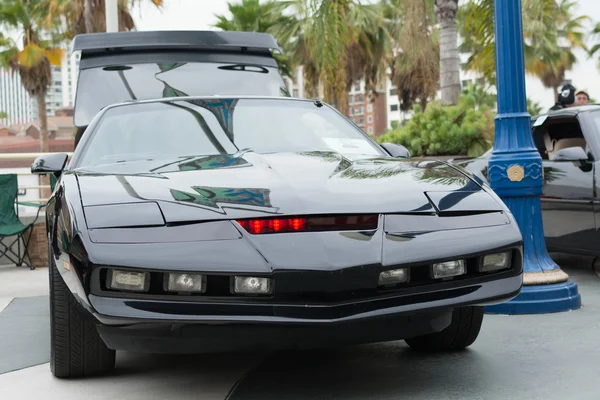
568, 141
193, 224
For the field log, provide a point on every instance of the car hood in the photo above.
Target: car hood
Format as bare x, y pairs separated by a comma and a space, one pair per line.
257, 185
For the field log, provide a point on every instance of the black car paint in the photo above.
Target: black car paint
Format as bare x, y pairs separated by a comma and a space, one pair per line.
180, 216
570, 199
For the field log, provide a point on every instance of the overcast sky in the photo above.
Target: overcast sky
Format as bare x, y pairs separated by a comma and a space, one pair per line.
199, 15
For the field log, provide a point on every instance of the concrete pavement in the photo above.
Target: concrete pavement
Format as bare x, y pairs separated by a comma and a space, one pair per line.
21, 282
516, 357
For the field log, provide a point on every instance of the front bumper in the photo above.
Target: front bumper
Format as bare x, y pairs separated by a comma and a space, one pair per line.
192, 327
448, 295
313, 302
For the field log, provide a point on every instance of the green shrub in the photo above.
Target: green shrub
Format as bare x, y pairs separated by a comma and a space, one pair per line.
445, 130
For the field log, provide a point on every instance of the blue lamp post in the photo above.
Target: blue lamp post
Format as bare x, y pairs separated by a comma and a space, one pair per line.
516, 175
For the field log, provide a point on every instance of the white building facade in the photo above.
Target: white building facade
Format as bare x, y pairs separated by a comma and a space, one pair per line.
14, 99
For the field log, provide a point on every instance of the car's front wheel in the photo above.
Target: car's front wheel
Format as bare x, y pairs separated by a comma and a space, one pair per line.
460, 334
76, 349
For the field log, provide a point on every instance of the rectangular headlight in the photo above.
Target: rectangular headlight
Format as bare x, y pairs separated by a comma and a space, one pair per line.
186, 283
251, 285
448, 269
128, 280
393, 276
495, 262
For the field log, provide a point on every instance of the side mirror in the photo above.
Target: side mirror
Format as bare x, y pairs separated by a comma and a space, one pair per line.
396, 150
570, 154
49, 164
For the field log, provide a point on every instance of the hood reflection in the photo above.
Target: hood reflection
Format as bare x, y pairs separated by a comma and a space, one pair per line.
214, 196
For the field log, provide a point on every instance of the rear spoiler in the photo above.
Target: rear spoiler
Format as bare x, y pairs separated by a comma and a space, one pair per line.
109, 43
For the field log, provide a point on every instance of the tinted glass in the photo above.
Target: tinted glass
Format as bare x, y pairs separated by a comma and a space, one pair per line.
225, 126
100, 87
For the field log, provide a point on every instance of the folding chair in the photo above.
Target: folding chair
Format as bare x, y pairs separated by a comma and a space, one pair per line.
41, 205
11, 226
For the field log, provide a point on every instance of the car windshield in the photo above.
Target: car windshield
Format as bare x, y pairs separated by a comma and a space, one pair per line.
164, 130
102, 86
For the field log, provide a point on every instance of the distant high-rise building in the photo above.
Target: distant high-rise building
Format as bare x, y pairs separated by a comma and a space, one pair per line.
14, 99
368, 112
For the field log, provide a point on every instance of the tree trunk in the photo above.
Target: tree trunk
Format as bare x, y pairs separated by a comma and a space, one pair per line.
88, 15
555, 88
41, 101
449, 60
44, 147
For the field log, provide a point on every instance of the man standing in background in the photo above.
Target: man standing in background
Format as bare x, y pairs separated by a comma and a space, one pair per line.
582, 98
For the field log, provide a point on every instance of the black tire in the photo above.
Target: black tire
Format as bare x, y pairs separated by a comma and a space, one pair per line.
76, 349
460, 334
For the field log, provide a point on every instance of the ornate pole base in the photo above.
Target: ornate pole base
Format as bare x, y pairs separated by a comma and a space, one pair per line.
541, 299
546, 288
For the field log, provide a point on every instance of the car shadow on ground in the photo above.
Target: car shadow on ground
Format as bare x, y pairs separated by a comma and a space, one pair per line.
138, 364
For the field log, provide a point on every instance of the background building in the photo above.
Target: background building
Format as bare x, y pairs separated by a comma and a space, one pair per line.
14, 99
366, 112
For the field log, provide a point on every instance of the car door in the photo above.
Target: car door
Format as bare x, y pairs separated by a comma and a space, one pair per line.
590, 122
568, 191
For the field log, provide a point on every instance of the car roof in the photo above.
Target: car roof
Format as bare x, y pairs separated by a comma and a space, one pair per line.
113, 42
570, 111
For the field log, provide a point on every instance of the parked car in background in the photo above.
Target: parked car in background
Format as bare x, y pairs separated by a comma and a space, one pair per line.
568, 141
129, 66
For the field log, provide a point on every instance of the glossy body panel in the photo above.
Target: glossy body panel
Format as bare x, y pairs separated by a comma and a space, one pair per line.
287, 184
49, 164
179, 216
570, 198
123, 215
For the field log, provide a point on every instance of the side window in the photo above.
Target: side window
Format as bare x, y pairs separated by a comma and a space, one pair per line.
558, 134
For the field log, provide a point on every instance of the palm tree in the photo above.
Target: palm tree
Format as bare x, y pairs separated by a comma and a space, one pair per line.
327, 34
414, 62
449, 61
545, 24
476, 21
477, 97
549, 22
35, 21
89, 16
266, 17
338, 42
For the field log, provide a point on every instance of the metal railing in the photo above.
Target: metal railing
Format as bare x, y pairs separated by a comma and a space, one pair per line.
25, 157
